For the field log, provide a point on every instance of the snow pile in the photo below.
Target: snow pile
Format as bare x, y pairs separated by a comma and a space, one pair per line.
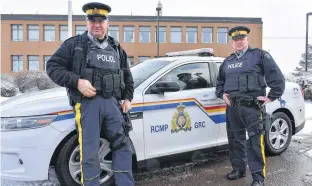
25, 81
8, 89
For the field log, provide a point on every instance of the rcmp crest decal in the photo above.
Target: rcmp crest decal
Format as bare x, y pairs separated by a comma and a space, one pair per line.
181, 120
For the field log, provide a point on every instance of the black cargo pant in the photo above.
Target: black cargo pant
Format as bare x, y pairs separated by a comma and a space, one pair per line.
239, 119
89, 115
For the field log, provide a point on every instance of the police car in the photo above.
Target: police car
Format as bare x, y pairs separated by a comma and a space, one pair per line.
175, 111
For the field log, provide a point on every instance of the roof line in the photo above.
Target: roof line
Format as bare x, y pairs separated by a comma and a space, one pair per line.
134, 18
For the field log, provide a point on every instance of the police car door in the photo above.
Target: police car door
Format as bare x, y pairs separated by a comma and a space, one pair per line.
222, 135
183, 120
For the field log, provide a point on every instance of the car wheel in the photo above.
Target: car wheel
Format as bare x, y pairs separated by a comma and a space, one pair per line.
278, 138
68, 163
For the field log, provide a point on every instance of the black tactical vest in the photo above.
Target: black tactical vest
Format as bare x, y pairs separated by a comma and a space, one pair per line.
244, 75
103, 70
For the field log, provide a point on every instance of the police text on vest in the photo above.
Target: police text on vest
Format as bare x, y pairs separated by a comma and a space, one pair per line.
236, 65
106, 58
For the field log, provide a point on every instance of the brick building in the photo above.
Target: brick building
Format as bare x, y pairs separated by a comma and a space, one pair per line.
29, 40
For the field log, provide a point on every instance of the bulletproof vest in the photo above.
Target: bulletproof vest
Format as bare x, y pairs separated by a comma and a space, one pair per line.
244, 75
103, 70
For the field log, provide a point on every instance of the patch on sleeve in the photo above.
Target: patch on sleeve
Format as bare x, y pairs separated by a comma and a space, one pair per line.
267, 55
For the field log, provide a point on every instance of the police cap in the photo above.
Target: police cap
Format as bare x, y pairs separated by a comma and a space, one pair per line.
96, 11
239, 32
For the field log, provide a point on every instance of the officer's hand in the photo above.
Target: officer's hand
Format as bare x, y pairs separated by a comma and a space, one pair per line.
264, 99
86, 89
225, 98
126, 106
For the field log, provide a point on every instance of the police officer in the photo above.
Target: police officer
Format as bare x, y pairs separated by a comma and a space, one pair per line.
241, 82
94, 69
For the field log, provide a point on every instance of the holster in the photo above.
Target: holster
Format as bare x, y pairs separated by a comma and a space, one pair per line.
128, 123
267, 121
127, 120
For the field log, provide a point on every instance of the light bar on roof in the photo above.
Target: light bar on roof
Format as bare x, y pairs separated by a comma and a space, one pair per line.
201, 51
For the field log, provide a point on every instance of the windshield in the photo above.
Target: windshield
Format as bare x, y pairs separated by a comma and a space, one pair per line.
145, 69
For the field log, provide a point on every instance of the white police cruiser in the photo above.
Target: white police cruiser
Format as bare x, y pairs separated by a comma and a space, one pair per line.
175, 111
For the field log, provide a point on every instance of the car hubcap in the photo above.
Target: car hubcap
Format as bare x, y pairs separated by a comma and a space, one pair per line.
104, 158
279, 133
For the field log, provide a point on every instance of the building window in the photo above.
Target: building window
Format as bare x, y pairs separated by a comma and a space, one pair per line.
131, 60
17, 63
63, 32
176, 35
145, 34
80, 29
191, 34
33, 62
222, 35
17, 32
49, 32
129, 34
45, 59
33, 32
207, 35
113, 31
162, 34
143, 58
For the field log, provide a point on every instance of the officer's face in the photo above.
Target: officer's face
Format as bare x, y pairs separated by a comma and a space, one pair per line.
240, 44
97, 29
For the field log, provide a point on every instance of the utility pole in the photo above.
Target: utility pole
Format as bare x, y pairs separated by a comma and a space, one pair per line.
158, 9
307, 41
70, 18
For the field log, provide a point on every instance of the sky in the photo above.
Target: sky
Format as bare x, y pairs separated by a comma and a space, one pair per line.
284, 21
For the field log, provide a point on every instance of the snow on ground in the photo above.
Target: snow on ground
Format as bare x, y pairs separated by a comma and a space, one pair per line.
3, 98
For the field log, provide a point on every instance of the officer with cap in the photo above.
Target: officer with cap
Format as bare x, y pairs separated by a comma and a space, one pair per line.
241, 83
94, 69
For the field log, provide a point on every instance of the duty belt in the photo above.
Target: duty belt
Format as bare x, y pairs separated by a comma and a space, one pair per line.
245, 103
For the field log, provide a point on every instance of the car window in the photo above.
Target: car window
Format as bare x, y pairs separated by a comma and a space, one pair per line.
145, 69
190, 76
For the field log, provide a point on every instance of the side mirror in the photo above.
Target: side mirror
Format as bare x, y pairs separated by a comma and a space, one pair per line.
166, 86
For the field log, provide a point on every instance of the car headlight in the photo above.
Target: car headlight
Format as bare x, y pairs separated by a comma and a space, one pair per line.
22, 123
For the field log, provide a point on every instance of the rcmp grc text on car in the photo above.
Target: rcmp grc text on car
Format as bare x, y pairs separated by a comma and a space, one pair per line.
175, 111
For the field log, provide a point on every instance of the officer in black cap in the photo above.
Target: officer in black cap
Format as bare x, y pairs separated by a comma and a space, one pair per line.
241, 82
94, 69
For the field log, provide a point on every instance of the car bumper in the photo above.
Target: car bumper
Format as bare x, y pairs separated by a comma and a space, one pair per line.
26, 154
299, 128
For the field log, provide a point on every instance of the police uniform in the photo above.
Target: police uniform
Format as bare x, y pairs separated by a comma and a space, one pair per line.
244, 76
104, 64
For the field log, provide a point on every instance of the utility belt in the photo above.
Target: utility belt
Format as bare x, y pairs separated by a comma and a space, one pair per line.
108, 83
264, 124
245, 103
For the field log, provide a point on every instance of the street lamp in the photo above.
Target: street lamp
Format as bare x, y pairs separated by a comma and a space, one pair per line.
307, 38
158, 9
70, 18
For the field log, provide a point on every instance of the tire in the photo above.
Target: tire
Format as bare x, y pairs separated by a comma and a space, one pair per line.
272, 147
62, 165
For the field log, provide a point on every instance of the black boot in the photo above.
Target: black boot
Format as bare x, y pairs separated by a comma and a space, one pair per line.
234, 175
257, 183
